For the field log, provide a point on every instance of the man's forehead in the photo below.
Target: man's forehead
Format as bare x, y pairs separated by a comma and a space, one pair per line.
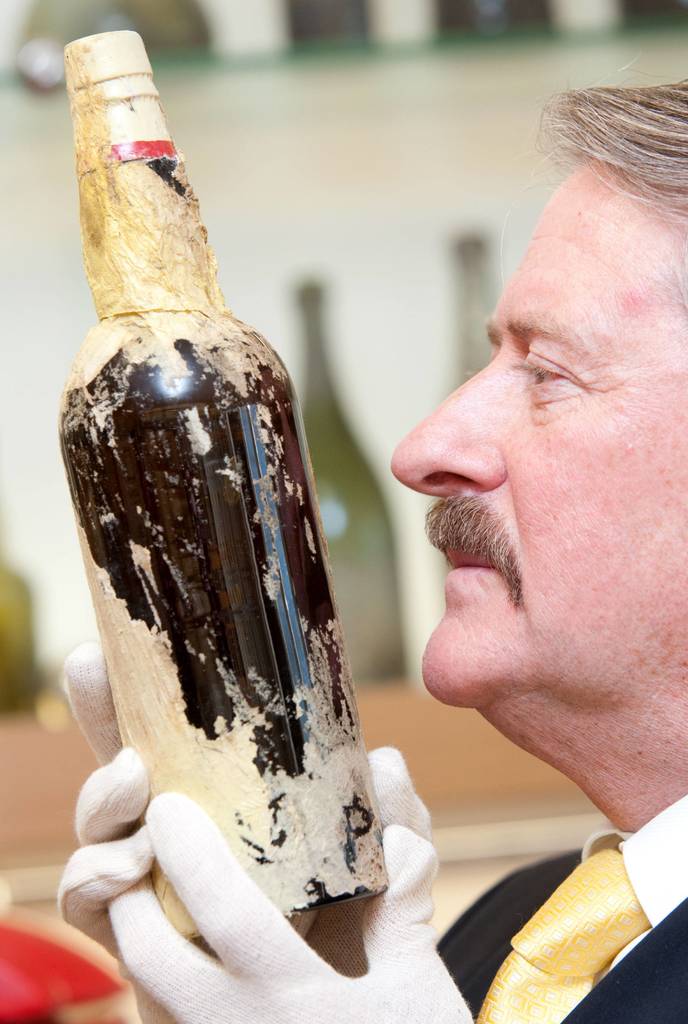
556, 299
596, 255
565, 329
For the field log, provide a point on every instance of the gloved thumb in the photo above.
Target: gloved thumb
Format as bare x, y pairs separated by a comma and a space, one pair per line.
90, 697
397, 923
398, 801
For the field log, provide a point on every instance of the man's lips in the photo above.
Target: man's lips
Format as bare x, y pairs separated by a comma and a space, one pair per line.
459, 559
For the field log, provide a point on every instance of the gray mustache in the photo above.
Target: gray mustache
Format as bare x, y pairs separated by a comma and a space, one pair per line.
466, 524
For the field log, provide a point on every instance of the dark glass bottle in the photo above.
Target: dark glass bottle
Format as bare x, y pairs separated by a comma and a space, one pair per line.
354, 514
198, 521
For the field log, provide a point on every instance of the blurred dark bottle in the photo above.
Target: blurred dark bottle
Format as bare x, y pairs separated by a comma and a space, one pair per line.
492, 17
18, 680
473, 274
354, 516
328, 21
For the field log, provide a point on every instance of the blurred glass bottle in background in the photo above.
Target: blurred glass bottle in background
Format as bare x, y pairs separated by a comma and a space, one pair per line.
473, 274
328, 21
167, 26
18, 677
354, 515
491, 17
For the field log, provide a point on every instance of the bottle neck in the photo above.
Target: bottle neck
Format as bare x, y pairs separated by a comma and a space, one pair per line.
143, 240
319, 387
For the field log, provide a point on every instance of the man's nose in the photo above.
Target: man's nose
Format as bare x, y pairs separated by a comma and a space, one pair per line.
453, 451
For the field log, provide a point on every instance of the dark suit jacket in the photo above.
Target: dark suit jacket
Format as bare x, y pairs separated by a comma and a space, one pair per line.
649, 985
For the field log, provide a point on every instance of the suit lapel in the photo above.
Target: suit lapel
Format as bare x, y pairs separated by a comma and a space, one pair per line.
649, 984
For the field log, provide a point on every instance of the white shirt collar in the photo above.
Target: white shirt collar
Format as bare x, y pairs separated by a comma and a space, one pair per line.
655, 858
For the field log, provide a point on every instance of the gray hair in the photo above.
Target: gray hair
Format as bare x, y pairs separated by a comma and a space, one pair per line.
638, 137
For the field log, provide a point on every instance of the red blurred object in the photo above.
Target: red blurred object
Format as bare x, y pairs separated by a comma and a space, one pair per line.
42, 978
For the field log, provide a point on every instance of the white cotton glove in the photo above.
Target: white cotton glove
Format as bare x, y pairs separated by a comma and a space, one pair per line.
110, 806
368, 960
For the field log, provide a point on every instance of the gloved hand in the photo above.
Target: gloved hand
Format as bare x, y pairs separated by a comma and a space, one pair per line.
369, 960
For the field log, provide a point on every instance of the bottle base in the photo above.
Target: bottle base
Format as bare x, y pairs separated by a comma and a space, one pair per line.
324, 899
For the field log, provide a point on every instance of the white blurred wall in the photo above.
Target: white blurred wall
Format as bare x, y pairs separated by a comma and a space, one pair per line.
357, 170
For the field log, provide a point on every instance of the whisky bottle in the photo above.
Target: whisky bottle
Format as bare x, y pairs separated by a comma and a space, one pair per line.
198, 522
354, 514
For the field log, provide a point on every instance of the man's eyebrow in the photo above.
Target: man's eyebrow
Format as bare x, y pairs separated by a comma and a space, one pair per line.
523, 329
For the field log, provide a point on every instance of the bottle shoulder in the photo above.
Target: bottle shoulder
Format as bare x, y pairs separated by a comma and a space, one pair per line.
152, 335
169, 357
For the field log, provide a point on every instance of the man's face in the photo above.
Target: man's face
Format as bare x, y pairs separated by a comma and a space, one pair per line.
575, 439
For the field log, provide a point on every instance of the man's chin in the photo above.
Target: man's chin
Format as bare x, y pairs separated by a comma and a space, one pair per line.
444, 670
464, 668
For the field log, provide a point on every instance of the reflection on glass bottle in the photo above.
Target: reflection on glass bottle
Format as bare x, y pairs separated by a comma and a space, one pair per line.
474, 288
17, 664
355, 519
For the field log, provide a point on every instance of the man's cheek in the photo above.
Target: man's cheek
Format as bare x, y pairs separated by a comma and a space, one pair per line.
571, 561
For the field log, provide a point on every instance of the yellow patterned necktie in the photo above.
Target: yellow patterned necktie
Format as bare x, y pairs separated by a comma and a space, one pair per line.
590, 918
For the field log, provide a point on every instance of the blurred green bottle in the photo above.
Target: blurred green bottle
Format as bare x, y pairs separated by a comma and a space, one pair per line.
354, 515
18, 678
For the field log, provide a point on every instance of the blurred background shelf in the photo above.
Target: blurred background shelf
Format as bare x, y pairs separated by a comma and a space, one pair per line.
493, 805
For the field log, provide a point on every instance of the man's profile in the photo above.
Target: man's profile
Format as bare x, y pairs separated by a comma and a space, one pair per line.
560, 480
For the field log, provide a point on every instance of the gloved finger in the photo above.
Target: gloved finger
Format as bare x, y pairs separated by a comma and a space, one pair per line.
90, 697
233, 915
112, 799
95, 875
398, 801
160, 961
398, 921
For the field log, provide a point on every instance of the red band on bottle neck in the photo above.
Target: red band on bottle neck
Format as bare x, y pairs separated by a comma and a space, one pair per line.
144, 150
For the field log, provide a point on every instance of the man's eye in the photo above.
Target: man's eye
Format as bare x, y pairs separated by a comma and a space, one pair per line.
540, 375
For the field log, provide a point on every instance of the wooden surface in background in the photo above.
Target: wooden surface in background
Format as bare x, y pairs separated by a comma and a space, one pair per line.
41, 773
461, 766
458, 761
